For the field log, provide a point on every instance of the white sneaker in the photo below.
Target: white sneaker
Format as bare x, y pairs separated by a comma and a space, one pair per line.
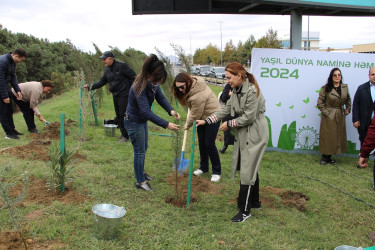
215, 178
198, 172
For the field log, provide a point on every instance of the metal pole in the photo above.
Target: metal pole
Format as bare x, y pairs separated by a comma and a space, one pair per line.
221, 45
80, 109
308, 32
295, 30
62, 147
191, 166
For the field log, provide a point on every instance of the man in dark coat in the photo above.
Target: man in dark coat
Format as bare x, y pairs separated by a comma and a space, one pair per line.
8, 75
120, 77
363, 106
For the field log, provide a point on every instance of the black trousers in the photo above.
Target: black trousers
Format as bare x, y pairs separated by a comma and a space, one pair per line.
28, 113
362, 135
207, 148
248, 196
6, 116
121, 103
228, 136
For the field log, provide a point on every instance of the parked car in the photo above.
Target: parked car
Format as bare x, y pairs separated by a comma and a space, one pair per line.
205, 70
195, 70
218, 72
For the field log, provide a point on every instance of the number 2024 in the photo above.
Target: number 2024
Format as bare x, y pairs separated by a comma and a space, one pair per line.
279, 73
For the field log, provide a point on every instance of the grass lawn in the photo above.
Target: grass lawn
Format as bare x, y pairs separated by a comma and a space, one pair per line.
105, 175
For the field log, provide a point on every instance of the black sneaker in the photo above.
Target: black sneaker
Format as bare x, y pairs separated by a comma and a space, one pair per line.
35, 131
17, 133
145, 186
148, 177
12, 137
223, 149
241, 216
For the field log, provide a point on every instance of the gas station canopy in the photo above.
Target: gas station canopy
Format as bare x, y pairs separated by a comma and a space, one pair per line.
260, 7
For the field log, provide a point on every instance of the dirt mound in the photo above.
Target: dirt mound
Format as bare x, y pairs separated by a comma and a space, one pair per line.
37, 148
52, 131
288, 198
198, 185
37, 193
12, 240
203, 185
34, 150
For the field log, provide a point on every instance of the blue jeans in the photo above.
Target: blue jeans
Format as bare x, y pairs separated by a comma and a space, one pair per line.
207, 148
138, 134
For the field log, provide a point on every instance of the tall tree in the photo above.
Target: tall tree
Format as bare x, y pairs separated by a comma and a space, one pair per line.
229, 51
270, 40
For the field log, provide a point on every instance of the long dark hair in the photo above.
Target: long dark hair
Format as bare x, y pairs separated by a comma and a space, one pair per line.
329, 84
181, 77
236, 68
153, 69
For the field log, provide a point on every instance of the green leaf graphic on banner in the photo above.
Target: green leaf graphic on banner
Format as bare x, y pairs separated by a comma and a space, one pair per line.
287, 137
270, 132
352, 147
304, 116
320, 114
307, 100
318, 91
316, 107
278, 104
291, 107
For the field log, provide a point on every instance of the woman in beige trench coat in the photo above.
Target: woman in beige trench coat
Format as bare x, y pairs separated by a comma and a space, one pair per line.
247, 104
332, 98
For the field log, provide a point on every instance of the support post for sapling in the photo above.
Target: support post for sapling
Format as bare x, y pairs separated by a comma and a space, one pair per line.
62, 145
191, 165
94, 106
80, 108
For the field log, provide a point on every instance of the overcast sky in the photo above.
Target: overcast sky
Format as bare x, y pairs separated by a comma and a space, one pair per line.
111, 23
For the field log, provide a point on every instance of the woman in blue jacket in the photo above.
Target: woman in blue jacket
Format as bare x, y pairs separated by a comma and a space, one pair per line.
142, 94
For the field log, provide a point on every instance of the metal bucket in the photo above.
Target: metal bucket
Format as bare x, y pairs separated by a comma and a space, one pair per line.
110, 130
108, 221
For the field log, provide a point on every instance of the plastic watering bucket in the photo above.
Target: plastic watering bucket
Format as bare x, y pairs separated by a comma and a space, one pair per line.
107, 221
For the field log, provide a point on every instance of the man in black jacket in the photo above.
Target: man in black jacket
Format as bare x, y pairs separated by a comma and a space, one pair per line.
364, 106
8, 75
120, 77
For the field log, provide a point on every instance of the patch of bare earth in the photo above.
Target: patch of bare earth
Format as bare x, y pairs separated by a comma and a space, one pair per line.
12, 240
38, 193
198, 185
38, 190
37, 148
288, 198
203, 185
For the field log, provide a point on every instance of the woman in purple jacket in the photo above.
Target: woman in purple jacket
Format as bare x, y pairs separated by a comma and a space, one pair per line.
141, 96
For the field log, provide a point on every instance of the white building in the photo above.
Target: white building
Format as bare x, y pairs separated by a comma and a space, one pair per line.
310, 41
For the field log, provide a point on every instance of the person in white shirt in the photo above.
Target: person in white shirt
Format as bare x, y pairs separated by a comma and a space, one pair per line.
32, 93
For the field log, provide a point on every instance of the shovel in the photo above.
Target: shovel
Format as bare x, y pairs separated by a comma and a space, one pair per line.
45, 122
183, 163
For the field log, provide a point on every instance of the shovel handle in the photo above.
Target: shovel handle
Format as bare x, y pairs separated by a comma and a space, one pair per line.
185, 133
184, 142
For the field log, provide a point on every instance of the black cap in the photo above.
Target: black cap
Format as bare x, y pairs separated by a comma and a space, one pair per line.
107, 54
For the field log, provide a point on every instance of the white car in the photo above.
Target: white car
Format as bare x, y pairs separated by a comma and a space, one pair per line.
219, 72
